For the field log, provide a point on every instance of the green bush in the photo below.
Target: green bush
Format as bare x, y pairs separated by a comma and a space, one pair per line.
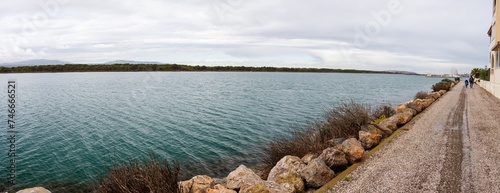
136, 176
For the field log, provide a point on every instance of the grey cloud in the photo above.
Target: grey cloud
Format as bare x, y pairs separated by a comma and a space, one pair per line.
278, 33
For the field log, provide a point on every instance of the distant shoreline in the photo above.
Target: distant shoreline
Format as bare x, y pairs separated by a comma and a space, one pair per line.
174, 68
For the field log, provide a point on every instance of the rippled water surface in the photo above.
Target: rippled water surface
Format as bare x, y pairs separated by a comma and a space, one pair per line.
74, 126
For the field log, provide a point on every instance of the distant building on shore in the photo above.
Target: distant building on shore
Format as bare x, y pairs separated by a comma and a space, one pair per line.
454, 74
493, 85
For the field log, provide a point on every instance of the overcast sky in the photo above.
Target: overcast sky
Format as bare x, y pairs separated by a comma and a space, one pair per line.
425, 36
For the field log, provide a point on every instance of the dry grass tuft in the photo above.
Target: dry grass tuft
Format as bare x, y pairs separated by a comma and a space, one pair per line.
441, 86
141, 176
343, 121
382, 111
421, 95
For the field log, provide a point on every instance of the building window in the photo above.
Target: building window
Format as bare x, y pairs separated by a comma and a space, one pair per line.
497, 60
493, 32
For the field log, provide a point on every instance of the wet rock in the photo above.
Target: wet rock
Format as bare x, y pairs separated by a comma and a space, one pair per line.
34, 190
317, 173
291, 178
241, 177
220, 189
287, 163
334, 158
196, 184
353, 149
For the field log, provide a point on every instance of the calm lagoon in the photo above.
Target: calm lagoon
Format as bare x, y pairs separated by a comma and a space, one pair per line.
74, 126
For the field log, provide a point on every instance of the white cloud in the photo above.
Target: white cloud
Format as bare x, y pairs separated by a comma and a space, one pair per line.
422, 36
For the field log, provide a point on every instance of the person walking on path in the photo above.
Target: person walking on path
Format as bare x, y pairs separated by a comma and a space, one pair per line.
466, 83
471, 81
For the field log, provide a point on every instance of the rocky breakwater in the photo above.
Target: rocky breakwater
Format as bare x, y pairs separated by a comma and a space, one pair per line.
294, 174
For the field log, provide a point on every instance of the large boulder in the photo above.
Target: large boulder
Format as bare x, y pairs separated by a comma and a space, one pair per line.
400, 108
291, 178
241, 177
256, 188
368, 139
405, 116
435, 95
427, 102
372, 128
280, 188
219, 189
416, 105
317, 173
385, 132
307, 158
334, 158
390, 123
220, 181
34, 190
336, 141
287, 163
442, 92
196, 184
268, 187
353, 149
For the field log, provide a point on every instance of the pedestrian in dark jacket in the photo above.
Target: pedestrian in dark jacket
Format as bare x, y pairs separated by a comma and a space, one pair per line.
471, 81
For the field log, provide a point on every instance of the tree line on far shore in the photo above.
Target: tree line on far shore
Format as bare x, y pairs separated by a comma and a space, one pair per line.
166, 67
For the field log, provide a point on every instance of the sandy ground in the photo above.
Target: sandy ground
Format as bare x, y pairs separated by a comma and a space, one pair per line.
454, 146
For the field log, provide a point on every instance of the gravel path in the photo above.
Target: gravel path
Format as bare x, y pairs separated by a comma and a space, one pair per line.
454, 146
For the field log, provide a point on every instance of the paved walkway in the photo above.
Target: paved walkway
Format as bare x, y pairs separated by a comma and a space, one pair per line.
454, 146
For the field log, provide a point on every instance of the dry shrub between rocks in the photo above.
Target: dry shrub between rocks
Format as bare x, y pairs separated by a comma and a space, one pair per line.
382, 111
343, 121
146, 176
298, 143
421, 95
441, 86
